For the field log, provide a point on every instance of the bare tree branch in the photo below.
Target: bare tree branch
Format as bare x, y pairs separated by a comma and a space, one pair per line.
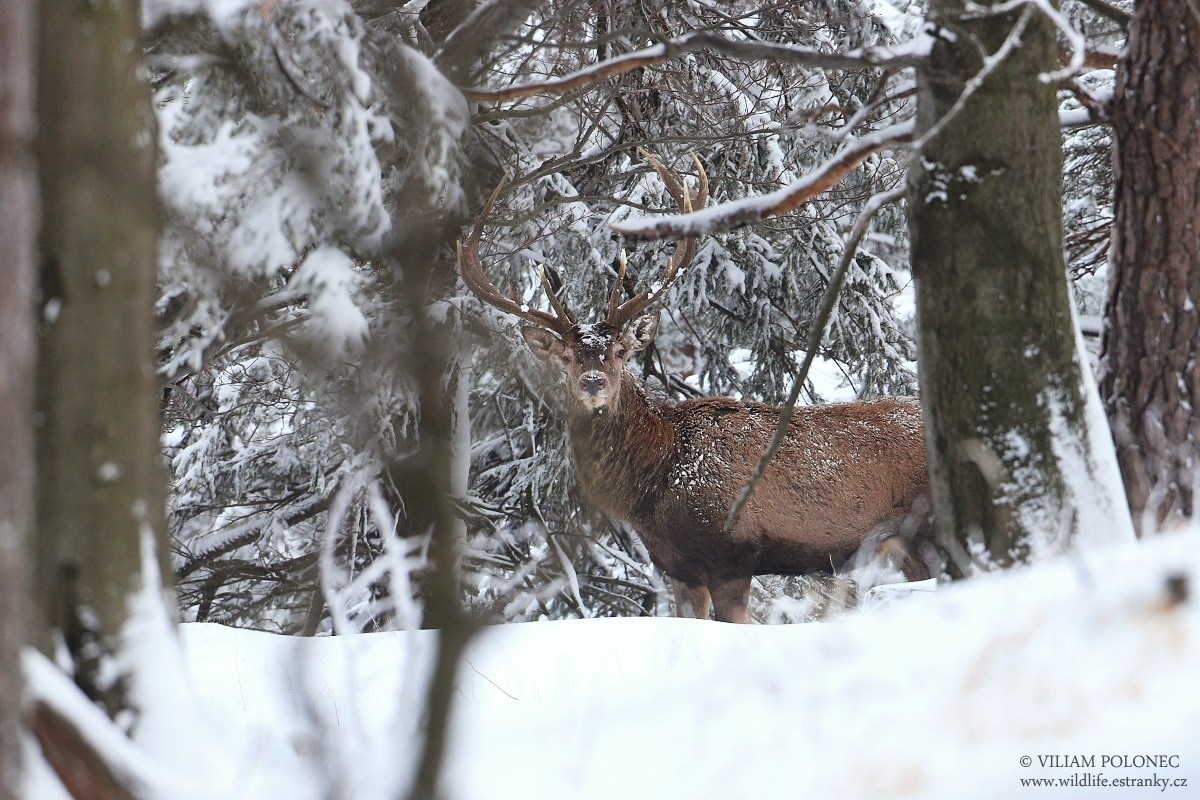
729, 216
674, 48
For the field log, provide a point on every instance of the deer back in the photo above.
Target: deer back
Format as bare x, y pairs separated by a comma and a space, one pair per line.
673, 471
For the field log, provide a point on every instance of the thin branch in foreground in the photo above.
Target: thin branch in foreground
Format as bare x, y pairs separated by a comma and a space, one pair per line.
815, 335
581, 78
728, 216
990, 63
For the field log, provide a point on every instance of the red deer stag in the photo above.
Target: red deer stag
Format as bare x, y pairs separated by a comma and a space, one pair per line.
849, 478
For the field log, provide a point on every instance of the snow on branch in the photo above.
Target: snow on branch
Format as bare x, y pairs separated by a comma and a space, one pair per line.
892, 58
584, 77
1096, 109
910, 54
729, 216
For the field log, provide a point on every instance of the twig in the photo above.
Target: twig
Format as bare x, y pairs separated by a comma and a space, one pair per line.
1011, 42
729, 216
815, 335
674, 48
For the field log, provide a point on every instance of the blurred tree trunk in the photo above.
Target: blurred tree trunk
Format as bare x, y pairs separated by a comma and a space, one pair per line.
1016, 463
99, 482
18, 235
468, 30
1150, 368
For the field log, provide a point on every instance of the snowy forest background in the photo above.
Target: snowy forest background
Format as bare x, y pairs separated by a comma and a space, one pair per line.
282, 329
294, 144
315, 162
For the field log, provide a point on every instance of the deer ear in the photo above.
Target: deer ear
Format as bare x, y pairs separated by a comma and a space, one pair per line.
544, 344
640, 333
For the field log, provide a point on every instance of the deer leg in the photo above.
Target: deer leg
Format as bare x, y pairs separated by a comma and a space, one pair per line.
731, 599
691, 599
916, 529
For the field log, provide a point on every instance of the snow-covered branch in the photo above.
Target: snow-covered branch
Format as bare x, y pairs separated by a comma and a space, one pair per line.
584, 77
729, 216
1096, 107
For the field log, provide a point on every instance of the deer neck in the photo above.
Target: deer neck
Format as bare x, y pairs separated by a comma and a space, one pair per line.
622, 452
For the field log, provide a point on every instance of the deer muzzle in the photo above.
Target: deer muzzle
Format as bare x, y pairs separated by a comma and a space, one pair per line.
594, 390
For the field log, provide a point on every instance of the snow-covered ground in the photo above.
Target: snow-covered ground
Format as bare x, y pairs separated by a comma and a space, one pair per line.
1084, 660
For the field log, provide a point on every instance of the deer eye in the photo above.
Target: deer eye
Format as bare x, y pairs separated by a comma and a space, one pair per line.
621, 353
566, 359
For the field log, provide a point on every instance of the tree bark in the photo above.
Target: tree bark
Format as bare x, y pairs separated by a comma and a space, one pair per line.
1150, 367
18, 235
467, 31
99, 481
1017, 466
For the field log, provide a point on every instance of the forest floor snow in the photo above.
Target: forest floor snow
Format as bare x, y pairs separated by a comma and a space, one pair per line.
1085, 669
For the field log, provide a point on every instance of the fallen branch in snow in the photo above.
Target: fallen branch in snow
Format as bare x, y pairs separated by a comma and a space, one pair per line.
674, 48
82, 770
728, 216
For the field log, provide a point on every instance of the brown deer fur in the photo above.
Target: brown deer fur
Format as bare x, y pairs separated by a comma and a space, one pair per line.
849, 478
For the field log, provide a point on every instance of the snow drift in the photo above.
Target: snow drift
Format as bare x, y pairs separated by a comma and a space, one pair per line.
947, 694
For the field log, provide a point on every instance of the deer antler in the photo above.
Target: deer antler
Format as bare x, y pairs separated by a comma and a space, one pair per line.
471, 270
685, 251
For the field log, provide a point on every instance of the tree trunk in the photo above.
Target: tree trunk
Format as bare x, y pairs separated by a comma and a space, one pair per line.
99, 482
1150, 368
1019, 458
18, 235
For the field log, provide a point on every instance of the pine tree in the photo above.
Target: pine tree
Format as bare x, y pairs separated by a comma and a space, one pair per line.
1151, 364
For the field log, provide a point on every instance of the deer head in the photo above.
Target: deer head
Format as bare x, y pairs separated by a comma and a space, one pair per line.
592, 354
